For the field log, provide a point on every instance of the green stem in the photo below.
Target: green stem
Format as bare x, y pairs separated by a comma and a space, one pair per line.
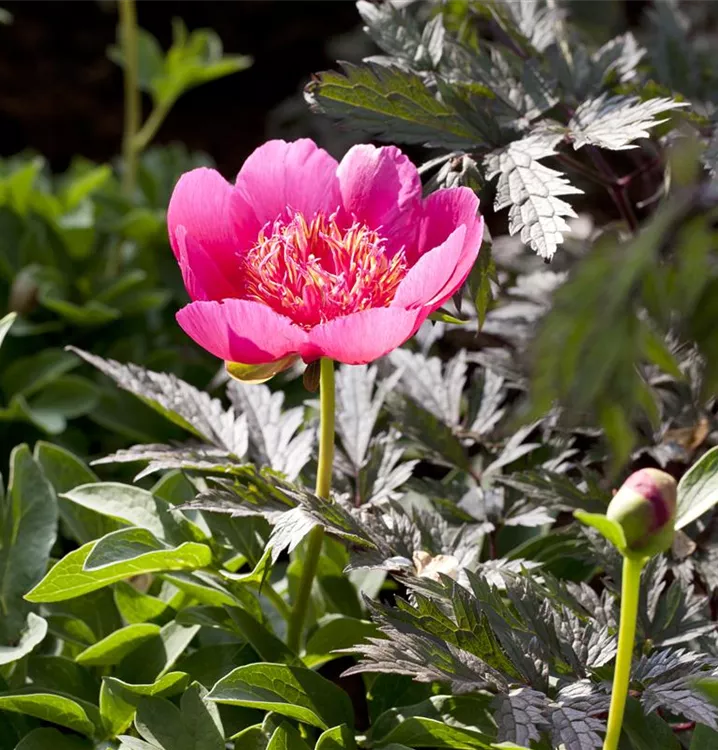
630, 589
324, 481
279, 604
150, 127
133, 100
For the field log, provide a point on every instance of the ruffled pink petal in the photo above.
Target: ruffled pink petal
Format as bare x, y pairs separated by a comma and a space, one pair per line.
218, 222
280, 178
442, 212
381, 188
202, 277
469, 253
429, 275
361, 337
241, 331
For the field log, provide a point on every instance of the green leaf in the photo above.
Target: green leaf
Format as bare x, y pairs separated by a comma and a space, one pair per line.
57, 709
6, 324
119, 555
196, 725
119, 700
51, 739
33, 634
58, 674
112, 649
441, 721
286, 737
208, 664
134, 506
64, 470
483, 272
136, 606
337, 738
28, 527
610, 530
263, 641
389, 103
648, 731
336, 632
158, 655
704, 738
295, 692
698, 489
31, 374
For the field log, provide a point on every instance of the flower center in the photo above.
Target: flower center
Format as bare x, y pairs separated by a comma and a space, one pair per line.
314, 272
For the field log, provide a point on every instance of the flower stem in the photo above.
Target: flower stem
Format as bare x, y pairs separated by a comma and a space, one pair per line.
324, 481
133, 101
630, 589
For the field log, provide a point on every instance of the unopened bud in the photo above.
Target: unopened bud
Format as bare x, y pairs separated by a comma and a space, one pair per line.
645, 507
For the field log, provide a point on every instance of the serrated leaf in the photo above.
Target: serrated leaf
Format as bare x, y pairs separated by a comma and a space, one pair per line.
179, 402
574, 718
616, 122
275, 435
389, 103
295, 692
530, 190
698, 489
521, 715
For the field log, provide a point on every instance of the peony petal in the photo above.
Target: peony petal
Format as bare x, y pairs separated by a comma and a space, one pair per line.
429, 275
216, 220
442, 212
202, 277
382, 188
296, 176
469, 253
361, 337
241, 331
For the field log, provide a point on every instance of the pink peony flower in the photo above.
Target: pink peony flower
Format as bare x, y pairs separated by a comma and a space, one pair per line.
306, 257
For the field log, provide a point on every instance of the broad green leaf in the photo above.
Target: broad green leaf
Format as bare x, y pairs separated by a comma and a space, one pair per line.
286, 737
264, 642
119, 700
202, 586
28, 527
704, 738
132, 743
34, 632
698, 489
112, 649
196, 725
6, 324
134, 555
209, 664
336, 632
64, 471
648, 731
441, 721
136, 606
610, 530
46, 738
251, 738
71, 629
295, 692
158, 655
31, 374
337, 738
59, 674
131, 505
57, 709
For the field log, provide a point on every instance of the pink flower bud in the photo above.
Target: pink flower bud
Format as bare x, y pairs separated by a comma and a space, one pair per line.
645, 507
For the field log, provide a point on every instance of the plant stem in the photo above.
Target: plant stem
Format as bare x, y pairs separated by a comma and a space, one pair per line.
150, 127
324, 481
133, 101
630, 589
